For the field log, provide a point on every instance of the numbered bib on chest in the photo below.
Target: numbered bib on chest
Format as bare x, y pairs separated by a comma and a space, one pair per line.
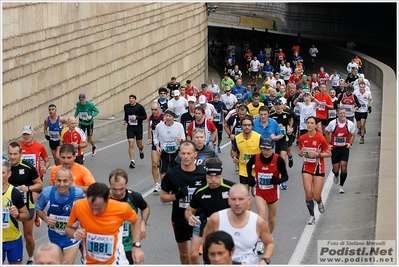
24, 195
264, 180
237, 130
169, 146
332, 114
5, 214
125, 229
322, 106
131, 121
31, 158
217, 117
184, 202
83, 116
339, 141
282, 129
60, 225
99, 247
54, 135
241, 258
306, 157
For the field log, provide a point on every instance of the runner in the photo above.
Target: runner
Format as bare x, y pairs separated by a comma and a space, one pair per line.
25, 178
210, 198
167, 138
153, 120
178, 186
82, 177
314, 148
189, 115
118, 180
325, 104
13, 211
54, 206
163, 101
49, 254
134, 116
270, 171
340, 136
76, 137
366, 104
32, 151
350, 102
53, 126
100, 230
306, 109
218, 120
245, 226
87, 111
203, 123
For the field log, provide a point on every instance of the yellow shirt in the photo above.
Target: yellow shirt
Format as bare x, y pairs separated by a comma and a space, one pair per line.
247, 148
254, 111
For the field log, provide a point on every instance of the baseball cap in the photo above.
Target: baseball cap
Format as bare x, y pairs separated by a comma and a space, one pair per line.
202, 99
188, 81
204, 85
281, 101
304, 76
267, 143
27, 130
176, 92
213, 168
299, 86
267, 83
82, 96
192, 98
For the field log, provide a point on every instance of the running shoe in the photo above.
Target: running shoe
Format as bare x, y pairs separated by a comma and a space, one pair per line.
141, 154
157, 187
284, 186
93, 151
219, 149
361, 140
200, 250
311, 220
260, 248
29, 262
132, 165
38, 221
336, 179
290, 162
321, 206
359, 132
341, 189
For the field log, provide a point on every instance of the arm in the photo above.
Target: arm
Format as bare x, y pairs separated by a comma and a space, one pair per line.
149, 131
137, 253
264, 235
45, 131
94, 110
145, 213
189, 214
143, 114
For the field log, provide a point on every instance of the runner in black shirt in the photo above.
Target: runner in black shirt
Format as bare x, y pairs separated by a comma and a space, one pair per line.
178, 185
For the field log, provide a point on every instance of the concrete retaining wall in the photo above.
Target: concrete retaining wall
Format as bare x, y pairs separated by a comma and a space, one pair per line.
54, 51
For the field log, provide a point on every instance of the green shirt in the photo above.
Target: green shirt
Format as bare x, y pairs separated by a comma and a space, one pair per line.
226, 82
88, 109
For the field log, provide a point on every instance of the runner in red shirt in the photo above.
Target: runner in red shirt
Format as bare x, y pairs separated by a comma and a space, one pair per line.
314, 148
325, 104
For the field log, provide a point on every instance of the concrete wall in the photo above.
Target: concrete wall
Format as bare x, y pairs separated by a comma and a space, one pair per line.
54, 51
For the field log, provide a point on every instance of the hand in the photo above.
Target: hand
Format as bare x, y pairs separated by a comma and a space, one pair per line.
24, 188
149, 141
275, 180
47, 137
43, 169
79, 234
182, 193
89, 118
14, 211
192, 220
232, 136
235, 160
124, 123
51, 221
369, 109
251, 181
143, 233
138, 255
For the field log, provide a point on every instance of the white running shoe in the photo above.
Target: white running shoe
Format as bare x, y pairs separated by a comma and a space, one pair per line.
341, 189
311, 220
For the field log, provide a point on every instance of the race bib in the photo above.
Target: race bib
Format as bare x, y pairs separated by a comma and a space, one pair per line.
322, 106
131, 121
169, 146
184, 202
238, 96
306, 156
60, 225
282, 129
297, 111
241, 258
99, 247
237, 130
83, 116
125, 227
332, 114
339, 141
31, 158
24, 195
5, 214
54, 135
246, 157
264, 180
217, 117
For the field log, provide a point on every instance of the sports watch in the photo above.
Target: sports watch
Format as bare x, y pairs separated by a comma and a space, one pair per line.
137, 244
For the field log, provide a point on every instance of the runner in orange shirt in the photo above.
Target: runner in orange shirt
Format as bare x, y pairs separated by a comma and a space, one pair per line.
82, 177
100, 230
314, 148
325, 104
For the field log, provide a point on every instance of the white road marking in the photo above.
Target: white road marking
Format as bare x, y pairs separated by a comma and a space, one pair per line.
307, 233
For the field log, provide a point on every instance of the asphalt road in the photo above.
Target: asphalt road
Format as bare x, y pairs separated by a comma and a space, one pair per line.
349, 216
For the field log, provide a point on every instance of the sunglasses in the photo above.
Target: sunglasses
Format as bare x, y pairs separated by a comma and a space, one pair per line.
228, 90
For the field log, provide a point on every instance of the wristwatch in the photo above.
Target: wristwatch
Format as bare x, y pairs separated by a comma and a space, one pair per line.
137, 244
267, 260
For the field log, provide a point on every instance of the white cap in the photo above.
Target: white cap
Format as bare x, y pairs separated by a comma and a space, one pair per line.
192, 98
27, 130
202, 99
176, 92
